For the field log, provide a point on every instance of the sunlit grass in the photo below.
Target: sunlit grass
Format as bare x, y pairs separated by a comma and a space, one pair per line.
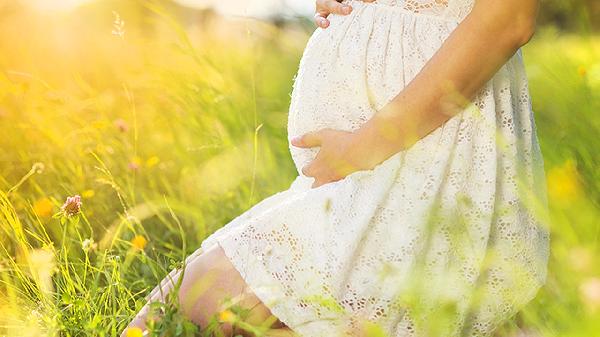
166, 134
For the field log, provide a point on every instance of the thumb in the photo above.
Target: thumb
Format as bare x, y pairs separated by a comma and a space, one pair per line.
309, 139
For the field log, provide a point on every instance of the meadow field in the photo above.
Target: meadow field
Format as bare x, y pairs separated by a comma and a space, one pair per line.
168, 125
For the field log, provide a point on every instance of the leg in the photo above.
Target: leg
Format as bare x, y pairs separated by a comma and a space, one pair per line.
209, 278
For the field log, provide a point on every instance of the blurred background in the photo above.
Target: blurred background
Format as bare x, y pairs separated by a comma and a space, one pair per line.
168, 119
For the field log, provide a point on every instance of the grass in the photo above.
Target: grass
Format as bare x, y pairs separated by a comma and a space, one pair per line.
168, 133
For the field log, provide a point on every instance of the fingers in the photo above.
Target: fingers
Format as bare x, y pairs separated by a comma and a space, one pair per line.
326, 7
321, 20
318, 182
310, 139
309, 170
321, 177
335, 7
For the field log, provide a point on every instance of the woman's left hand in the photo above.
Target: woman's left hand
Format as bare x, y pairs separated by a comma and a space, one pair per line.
339, 155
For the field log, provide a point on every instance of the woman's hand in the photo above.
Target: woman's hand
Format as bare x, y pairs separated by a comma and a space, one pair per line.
341, 153
326, 7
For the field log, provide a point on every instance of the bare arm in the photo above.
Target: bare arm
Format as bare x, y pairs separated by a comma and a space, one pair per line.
470, 56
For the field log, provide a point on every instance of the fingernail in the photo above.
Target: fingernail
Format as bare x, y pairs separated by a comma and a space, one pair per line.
346, 9
295, 140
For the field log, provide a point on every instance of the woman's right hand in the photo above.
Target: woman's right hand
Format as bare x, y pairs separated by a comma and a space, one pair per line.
326, 7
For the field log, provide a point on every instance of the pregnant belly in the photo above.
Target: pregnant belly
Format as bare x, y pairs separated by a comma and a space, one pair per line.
357, 65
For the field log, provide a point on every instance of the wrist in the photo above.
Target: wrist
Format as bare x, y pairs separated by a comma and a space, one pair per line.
379, 138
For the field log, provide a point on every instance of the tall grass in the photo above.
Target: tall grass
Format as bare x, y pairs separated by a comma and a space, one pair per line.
169, 132
142, 127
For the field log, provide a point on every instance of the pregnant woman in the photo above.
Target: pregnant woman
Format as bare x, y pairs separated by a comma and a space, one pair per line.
419, 201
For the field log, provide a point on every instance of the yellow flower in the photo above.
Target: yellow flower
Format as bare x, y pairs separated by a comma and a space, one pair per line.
581, 71
152, 161
99, 124
139, 242
43, 207
134, 332
226, 316
563, 181
88, 194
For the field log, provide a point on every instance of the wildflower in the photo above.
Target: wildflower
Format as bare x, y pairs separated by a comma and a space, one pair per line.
43, 207
581, 71
132, 219
88, 244
134, 332
38, 167
226, 316
121, 125
99, 124
152, 161
589, 291
72, 206
113, 258
134, 164
563, 181
88, 194
139, 242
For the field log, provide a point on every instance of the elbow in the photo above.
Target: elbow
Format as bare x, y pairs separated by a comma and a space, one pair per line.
515, 20
524, 35
524, 30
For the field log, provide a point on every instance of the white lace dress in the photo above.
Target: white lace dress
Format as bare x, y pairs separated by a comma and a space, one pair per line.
446, 226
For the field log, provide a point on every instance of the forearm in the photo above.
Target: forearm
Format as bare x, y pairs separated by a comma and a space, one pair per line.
469, 57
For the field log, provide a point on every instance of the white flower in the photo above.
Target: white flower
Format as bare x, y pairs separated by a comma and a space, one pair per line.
88, 244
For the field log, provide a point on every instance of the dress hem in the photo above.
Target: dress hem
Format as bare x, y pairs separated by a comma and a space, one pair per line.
263, 296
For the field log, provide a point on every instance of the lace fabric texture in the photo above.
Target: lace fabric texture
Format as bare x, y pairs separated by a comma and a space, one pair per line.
452, 9
452, 216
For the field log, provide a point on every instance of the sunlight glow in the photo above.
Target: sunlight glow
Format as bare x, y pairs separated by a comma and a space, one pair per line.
253, 8
54, 5
256, 8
